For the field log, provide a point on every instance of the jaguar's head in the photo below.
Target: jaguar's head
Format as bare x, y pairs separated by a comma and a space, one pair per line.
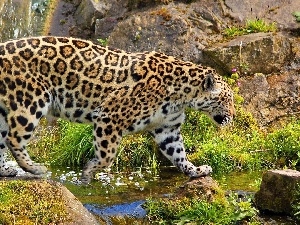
215, 99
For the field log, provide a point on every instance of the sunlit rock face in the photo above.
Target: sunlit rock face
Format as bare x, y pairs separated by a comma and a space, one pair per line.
277, 191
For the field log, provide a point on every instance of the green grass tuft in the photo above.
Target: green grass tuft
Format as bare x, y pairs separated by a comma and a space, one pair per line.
251, 26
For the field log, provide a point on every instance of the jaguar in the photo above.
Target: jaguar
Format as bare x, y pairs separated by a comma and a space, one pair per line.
118, 92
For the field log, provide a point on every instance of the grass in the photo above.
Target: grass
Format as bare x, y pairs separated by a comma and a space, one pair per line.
71, 144
240, 147
31, 202
251, 26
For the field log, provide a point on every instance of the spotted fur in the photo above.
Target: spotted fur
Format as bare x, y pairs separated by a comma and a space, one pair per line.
116, 91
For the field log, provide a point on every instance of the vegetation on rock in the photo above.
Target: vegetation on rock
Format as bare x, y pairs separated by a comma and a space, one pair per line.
198, 210
31, 202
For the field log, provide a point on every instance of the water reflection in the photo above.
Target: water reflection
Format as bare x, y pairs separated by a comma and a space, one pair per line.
18, 19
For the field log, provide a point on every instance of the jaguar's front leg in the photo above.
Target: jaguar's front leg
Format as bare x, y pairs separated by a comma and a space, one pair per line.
106, 141
171, 145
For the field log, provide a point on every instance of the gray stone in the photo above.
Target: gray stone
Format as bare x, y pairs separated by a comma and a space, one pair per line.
277, 191
269, 10
201, 186
254, 53
104, 26
88, 11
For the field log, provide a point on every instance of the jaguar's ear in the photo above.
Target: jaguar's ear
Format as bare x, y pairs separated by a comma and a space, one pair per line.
209, 83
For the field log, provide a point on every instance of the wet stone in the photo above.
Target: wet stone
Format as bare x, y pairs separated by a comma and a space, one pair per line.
277, 191
202, 186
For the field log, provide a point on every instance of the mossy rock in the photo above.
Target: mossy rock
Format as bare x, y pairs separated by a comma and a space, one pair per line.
33, 201
202, 186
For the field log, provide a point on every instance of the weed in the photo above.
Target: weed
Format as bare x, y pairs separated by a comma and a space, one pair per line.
45, 139
103, 42
284, 144
137, 151
255, 26
75, 144
297, 15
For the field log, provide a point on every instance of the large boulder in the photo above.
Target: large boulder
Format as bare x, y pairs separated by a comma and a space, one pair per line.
254, 53
277, 191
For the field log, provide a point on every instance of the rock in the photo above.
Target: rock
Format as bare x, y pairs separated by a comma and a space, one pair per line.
178, 29
104, 26
249, 53
89, 11
202, 186
269, 10
79, 214
271, 98
75, 212
277, 190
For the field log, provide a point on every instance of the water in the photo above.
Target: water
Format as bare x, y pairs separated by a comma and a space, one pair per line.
118, 198
117, 188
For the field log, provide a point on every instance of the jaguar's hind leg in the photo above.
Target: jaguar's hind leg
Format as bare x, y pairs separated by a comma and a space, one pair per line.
21, 127
5, 170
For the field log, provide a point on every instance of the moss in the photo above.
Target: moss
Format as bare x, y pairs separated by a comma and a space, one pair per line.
31, 202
